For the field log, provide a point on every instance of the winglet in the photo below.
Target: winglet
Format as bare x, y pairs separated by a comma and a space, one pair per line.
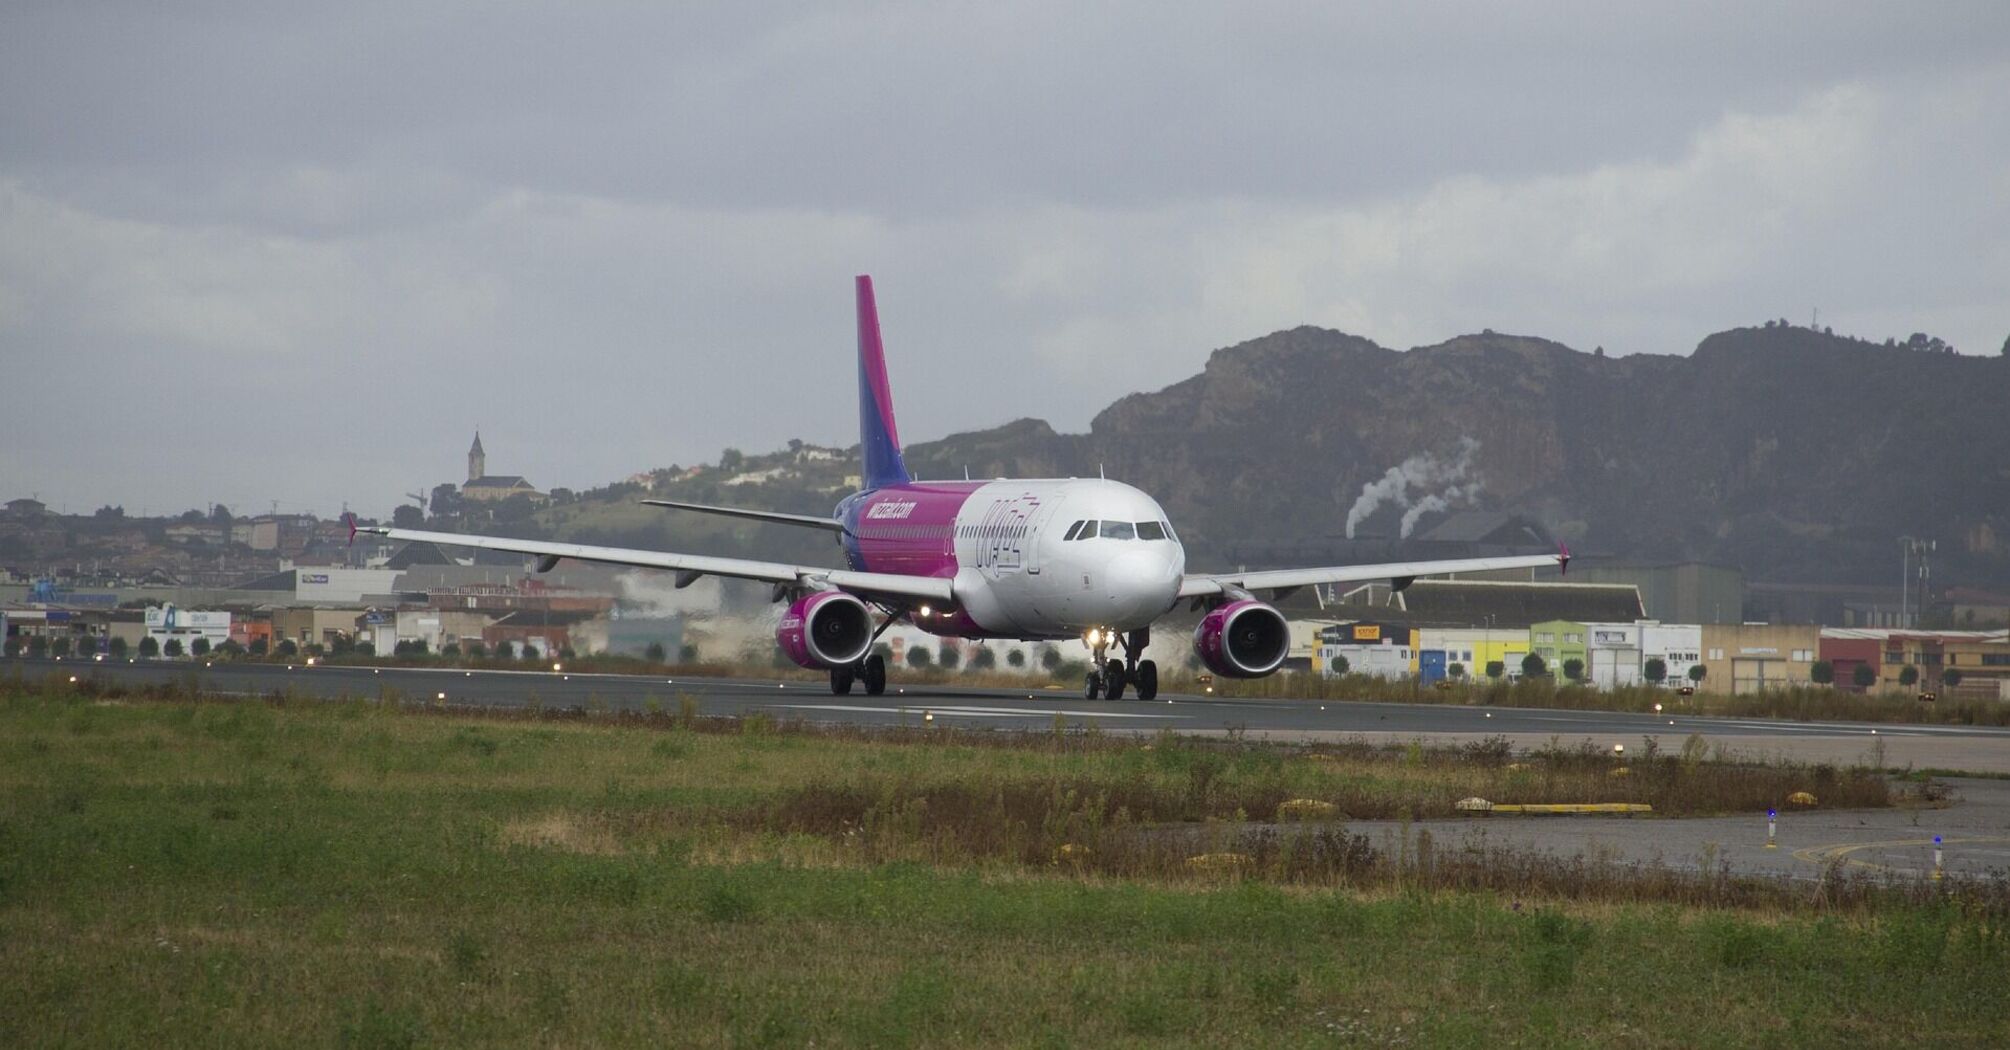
1562, 558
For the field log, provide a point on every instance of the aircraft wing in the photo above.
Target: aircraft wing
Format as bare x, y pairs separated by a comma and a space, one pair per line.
689, 567
1202, 585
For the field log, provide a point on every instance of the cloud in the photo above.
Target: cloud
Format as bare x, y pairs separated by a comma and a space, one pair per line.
316, 251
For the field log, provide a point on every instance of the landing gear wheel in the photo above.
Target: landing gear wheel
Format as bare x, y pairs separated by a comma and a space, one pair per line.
841, 679
1148, 680
1113, 680
1092, 685
873, 671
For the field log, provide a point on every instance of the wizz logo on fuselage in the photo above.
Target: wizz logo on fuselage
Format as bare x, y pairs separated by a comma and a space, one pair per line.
892, 509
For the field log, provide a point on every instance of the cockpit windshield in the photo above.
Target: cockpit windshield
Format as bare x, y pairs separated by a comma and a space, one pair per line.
1119, 530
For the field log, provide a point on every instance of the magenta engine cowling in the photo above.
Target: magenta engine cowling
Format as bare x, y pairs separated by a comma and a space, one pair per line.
825, 629
1243, 639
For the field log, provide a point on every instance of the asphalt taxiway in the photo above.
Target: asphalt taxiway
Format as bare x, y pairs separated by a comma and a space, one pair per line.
1972, 748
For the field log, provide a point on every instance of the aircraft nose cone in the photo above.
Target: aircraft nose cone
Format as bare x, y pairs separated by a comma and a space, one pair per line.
1141, 585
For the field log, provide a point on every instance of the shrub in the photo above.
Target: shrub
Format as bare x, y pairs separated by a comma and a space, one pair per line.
1908, 675
199, 647
1050, 658
1496, 668
984, 659
450, 649
366, 648
38, 646
504, 651
1697, 672
1340, 665
230, 647
1822, 672
1656, 670
474, 649
1456, 671
59, 647
1864, 676
1016, 658
1573, 669
12, 647
173, 647
118, 648
654, 653
259, 646
689, 653
917, 657
1532, 666
287, 647
149, 648
950, 658
1950, 677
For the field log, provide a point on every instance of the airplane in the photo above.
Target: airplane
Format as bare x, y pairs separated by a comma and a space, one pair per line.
1034, 560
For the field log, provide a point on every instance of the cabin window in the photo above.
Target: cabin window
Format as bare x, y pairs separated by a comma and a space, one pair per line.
1088, 531
1151, 530
1119, 530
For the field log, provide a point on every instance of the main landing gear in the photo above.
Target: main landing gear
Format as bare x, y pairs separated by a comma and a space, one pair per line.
1113, 676
869, 672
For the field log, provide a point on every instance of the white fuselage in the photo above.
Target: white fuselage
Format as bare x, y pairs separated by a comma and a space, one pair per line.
1027, 563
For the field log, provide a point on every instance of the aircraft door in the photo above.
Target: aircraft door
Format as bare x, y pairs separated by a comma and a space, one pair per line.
1036, 523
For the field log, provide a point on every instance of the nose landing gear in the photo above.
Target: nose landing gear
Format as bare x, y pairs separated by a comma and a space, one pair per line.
1111, 677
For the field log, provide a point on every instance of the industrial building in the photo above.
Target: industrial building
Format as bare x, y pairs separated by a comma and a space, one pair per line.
1680, 592
1558, 642
1612, 654
1754, 657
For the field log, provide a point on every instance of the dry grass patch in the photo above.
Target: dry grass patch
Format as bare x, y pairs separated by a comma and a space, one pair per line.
567, 832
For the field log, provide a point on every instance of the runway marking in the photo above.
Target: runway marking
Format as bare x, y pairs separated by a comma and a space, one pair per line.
1822, 855
974, 712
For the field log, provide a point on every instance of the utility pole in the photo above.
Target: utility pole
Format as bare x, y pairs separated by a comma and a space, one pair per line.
1908, 546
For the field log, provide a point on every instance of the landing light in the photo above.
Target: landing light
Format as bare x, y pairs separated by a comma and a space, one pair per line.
925, 611
558, 667
1619, 749
310, 661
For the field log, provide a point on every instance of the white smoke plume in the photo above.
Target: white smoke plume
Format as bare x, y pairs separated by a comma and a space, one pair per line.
1419, 485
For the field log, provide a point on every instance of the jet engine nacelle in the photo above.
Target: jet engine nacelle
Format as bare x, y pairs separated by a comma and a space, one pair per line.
1243, 639
826, 629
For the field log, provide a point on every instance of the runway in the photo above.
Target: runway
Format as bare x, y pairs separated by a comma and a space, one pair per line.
1972, 748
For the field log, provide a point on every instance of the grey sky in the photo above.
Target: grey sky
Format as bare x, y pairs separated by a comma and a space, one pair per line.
252, 254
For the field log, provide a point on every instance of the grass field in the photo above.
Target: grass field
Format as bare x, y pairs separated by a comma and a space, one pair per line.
183, 872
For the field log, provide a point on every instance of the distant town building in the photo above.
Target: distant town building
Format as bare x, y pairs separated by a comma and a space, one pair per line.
166, 623
493, 488
26, 508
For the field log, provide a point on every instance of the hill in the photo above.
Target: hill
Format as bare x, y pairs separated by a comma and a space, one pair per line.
1791, 453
